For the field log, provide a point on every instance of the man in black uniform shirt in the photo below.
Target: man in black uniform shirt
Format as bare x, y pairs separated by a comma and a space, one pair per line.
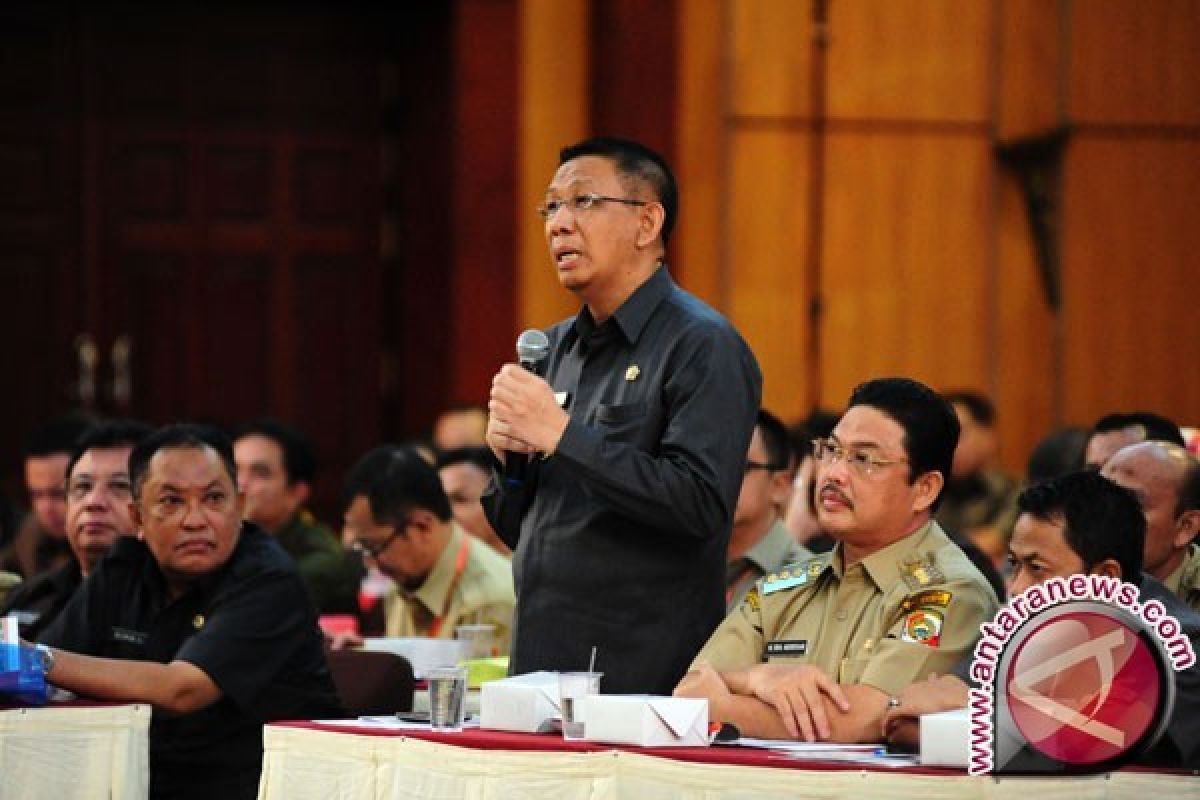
203, 616
98, 494
639, 429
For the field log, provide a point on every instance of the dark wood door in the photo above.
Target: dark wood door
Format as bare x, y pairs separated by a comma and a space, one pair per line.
188, 224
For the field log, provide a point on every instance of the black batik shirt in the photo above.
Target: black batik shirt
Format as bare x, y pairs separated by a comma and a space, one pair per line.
251, 628
620, 535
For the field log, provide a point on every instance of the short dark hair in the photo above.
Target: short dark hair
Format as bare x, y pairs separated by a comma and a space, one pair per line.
930, 425
977, 405
479, 456
58, 436
395, 480
175, 437
776, 441
1059, 452
1156, 427
1100, 519
634, 161
108, 435
299, 460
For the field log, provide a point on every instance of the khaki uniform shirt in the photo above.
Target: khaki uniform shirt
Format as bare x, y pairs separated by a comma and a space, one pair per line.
770, 554
1185, 581
480, 593
905, 611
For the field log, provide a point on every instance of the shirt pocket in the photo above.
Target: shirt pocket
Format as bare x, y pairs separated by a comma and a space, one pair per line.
617, 415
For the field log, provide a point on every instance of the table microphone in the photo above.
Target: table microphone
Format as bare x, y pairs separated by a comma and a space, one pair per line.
532, 348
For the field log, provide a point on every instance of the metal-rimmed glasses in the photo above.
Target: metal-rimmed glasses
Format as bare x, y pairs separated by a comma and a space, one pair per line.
829, 452
582, 202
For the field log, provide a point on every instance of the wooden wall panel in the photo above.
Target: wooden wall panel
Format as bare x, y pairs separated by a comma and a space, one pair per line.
909, 60
553, 109
1031, 84
1135, 62
1025, 383
700, 148
483, 314
770, 56
1130, 270
904, 273
768, 296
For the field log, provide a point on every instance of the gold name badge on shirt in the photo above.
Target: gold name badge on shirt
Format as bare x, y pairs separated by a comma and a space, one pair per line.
632, 373
198, 621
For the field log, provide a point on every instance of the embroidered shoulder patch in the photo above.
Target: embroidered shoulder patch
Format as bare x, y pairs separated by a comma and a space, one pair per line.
752, 599
931, 598
921, 572
793, 575
923, 627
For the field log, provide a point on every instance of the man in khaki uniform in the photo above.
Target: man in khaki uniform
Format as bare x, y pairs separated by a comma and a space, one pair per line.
760, 543
1166, 480
398, 515
816, 651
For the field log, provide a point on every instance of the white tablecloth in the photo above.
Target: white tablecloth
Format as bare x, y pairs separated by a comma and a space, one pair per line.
75, 753
302, 763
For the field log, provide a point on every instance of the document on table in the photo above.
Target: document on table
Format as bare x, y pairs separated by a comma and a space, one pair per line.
867, 754
390, 722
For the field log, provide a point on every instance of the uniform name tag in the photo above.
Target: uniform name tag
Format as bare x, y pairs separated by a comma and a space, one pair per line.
561, 398
128, 636
787, 647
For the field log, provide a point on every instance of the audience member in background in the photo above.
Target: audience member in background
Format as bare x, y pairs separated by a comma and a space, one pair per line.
8, 582
1080, 523
464, 426
1165, 479
980, 500
397, 514
465, 473
1058, 453
276, 468
202, 615
1114, 431
760, 544
801, 516
41, 541
894, 601
98, 500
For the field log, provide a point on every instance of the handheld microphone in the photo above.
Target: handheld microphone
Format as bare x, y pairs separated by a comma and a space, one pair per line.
532, 348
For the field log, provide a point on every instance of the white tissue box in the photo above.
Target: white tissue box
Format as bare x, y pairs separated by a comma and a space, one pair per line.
944, 738
646, 720
525, 703
424, 654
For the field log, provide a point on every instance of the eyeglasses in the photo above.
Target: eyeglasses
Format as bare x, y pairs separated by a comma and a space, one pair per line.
582, 202
373, 549
829, 452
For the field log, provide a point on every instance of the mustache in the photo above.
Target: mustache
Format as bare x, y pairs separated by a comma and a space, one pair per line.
829, 486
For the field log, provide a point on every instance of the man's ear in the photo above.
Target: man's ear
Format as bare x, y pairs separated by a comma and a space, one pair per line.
781, 487
928, 486
1187, 525
650, 223
1108, 568
135, 514
423, 521
299, 492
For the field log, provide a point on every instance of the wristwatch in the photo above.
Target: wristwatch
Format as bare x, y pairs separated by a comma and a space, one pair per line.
47, 658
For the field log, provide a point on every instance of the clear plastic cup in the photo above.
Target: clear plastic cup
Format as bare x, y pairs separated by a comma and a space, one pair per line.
572, 688
447, 698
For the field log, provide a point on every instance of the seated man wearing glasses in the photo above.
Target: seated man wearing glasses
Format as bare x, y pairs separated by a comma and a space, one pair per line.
760, 543
818, 650
202, 615
398, 515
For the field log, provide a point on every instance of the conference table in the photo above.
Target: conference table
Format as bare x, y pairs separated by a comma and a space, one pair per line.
321, 760
76, 751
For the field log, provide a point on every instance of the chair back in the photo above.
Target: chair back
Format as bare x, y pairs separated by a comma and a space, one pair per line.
372, 683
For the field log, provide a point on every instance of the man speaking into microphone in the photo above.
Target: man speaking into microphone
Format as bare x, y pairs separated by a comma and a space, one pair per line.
633, 438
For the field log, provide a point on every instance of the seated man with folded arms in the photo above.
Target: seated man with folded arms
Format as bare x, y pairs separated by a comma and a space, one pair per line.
397, 514
98, 495
816, 650
1080, 523
202, 615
